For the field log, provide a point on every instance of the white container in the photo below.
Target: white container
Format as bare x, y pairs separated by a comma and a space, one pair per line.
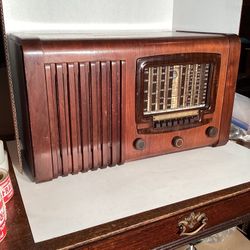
4, 164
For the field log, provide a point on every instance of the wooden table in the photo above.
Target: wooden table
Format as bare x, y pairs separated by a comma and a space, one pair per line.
157, 228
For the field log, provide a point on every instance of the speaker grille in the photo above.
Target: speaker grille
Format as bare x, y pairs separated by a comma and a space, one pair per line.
84, 101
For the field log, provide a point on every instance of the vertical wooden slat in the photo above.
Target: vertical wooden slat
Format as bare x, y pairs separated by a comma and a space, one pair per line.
96, 114
62, 124
63, 117
119, 78
67, 120
85, 116
106, 113
78, 112
55, 99
74, 116
122, 107
52, 106
116, 74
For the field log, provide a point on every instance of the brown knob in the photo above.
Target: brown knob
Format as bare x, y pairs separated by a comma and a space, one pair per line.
211, 131
177, 141
139, 144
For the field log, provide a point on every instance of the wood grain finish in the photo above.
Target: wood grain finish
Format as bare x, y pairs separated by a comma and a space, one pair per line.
232, 73
38, 114
87, 100
84, 114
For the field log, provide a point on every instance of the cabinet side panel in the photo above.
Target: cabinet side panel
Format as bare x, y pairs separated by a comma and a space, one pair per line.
38, 111
231, 78
20, 94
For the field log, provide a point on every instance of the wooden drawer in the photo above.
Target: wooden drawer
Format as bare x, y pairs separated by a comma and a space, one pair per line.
164, 229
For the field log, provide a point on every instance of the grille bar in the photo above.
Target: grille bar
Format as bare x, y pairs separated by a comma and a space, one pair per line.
86, 115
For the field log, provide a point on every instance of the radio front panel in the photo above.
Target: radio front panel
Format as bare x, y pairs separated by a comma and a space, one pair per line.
89, 104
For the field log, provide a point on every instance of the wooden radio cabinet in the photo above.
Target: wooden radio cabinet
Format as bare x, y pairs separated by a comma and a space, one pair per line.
88, 103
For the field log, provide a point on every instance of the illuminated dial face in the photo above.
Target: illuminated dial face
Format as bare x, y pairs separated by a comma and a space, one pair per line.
174, 90
174, 87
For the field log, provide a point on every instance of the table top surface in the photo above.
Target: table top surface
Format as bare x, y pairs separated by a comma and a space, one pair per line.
20, 234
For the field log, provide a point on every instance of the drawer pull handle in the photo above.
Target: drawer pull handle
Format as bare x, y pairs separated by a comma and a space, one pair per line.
191, 222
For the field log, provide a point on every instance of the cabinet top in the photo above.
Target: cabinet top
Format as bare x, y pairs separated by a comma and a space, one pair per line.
113, 35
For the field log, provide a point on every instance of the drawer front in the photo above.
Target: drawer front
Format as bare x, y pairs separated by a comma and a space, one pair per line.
170, 230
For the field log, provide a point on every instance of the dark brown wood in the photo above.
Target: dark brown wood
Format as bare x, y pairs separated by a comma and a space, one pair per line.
49, 73
38, 113
95, 99
63, 119
245, 20
106, 114
89, 118
2, 52
204, 234
26, 126
115, 112
85, 107
157, 228
74, 117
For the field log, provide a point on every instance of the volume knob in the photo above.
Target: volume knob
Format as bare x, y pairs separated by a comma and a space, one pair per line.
177, 141
211, 131
139, 144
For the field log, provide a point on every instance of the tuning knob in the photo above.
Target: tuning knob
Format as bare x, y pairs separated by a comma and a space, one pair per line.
139, 144
211, 131
177, 141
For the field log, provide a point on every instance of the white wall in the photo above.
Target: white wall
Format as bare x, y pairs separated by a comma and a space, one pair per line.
81, 15
72, 15
221, 16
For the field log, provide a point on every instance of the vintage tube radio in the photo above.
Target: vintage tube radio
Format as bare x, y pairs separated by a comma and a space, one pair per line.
88, 103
